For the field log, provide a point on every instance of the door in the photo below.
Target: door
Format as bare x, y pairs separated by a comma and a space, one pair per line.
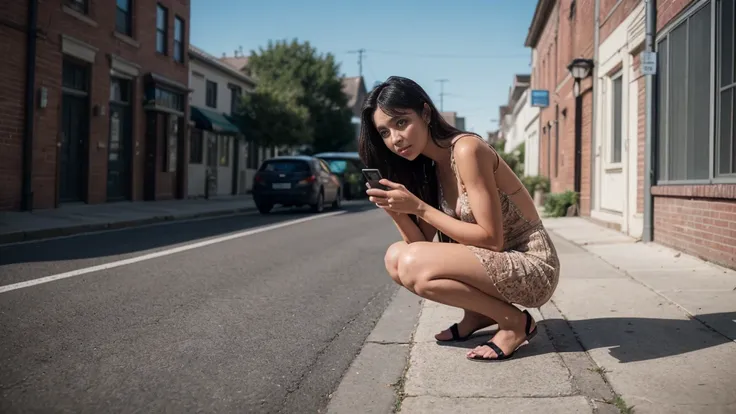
211, 169
153, 125
75, 119
118, 156
613, 185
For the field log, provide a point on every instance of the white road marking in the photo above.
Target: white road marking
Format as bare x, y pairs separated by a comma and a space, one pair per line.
111, 265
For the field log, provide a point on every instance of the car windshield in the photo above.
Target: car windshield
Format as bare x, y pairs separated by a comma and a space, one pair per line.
337, 166
285, 166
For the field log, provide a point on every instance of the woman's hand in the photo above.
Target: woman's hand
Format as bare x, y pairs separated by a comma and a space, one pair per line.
396, 199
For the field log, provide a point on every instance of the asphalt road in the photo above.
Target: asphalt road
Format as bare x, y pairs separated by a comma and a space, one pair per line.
264, 322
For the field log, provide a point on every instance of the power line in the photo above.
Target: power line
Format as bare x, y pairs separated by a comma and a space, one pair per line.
442, 92
360, 59
446, 55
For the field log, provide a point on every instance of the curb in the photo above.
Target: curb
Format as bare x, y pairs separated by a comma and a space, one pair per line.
33, 235
374, 381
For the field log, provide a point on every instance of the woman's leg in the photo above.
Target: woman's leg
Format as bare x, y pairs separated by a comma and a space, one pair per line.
451, 274
472, 321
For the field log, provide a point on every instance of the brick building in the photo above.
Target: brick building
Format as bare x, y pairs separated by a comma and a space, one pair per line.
694, 196
108, 108
561, 31
693, 114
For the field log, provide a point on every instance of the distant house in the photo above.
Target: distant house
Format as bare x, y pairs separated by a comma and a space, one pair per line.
256, 154
354, 88
519, 123
217, 148
454, 120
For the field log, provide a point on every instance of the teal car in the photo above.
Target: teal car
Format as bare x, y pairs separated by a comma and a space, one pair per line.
347, 166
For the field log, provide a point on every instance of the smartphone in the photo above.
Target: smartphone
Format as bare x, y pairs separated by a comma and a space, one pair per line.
373, 176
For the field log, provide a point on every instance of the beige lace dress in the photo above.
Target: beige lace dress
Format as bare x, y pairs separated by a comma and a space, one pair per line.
526, 272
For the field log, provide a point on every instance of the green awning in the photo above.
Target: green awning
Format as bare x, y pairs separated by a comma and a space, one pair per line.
212, 121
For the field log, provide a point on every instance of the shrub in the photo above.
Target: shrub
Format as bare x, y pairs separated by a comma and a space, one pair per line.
557, 204
535, 182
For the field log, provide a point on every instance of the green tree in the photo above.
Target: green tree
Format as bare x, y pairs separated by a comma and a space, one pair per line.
308, 86
269, 118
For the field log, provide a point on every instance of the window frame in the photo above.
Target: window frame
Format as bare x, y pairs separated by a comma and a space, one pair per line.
128, 18
75, 5
609, 152
179, 44
207, 84
163, 32
714, 90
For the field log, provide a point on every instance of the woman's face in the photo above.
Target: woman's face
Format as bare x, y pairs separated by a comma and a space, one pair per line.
406, 134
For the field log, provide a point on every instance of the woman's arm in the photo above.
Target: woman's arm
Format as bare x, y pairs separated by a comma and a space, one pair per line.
475, 162
409, 230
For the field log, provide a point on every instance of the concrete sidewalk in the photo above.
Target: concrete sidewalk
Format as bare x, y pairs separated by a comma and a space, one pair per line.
83, 218
632, 328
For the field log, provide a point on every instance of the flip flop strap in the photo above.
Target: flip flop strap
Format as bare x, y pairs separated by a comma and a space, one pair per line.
496, 349
455, 332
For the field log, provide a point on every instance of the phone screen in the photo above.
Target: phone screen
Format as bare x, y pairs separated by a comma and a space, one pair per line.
373, 176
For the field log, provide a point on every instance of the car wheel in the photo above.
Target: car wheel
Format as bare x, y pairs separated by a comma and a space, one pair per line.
264, 208
320, 205
338, 200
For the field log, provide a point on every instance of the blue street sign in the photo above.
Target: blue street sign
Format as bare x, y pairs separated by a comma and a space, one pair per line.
540, 98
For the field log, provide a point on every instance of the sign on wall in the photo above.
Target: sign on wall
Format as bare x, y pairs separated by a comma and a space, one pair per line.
648, 63
540, 98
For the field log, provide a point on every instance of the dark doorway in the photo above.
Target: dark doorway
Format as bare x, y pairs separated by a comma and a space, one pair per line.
120, 142
152, 152
74, 132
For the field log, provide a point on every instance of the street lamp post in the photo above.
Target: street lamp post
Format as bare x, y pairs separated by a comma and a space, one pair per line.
579, 69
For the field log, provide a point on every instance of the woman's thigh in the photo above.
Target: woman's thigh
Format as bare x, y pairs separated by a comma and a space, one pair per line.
425, 261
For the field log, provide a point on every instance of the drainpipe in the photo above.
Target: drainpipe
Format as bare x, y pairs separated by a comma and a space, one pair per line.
27, 188
594, 119
649, 165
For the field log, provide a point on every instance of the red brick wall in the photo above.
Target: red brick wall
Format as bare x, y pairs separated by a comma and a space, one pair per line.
613, 13
697, 219
704, 228
563, 39
12, 102
53, 22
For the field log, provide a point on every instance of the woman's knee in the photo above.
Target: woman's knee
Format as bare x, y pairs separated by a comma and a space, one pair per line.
412, 269
391, 259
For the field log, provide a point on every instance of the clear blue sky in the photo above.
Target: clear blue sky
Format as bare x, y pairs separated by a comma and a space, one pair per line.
477, 45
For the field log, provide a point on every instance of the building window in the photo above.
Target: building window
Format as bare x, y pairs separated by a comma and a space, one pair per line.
162, 25
236, 94
123, 17
178, 39
196, 146
617, 104
211, 98
81, 6
725, 144
684, 98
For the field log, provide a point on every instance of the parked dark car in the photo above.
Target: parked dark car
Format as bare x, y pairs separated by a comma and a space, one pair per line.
296, 181
347, 166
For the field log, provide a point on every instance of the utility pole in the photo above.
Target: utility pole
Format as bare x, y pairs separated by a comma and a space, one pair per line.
442, 92
360, 59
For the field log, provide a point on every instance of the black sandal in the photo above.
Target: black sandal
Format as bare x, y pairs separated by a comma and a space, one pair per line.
456, 334
500, 355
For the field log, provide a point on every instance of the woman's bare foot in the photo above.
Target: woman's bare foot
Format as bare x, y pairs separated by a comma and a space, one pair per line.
471, 322
507, 340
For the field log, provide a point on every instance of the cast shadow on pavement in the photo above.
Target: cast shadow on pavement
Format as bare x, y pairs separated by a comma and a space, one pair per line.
143, 238
628, 339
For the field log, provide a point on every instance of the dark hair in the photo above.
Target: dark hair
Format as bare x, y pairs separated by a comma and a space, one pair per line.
397, 96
